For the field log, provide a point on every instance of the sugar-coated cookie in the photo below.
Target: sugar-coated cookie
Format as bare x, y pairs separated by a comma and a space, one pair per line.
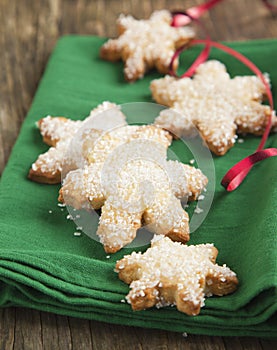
128, 176
171, 273
58, 132
145, 44
211, 102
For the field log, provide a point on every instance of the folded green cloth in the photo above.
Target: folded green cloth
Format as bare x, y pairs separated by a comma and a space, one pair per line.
45, 267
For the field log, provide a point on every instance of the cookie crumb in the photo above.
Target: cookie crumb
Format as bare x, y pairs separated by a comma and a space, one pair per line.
198, 210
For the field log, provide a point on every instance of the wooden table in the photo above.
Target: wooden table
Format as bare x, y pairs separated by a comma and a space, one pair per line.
28, 32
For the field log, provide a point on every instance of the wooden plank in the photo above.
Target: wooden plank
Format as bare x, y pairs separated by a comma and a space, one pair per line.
80, 333
268, 344
64, 333
54, 335
28, 330
7, 328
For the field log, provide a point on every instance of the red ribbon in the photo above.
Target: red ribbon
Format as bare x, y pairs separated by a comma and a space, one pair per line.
193, 13
204, 54
269, 5
181, 19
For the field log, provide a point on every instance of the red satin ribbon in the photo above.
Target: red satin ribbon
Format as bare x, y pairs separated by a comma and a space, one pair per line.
204, 54
234, 177
269, 5
181, 19
193, 13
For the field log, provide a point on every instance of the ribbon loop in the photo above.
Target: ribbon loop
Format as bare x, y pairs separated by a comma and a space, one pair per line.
181, 18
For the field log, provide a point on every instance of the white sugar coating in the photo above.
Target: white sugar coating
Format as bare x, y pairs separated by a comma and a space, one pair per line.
88, 185
112, 140
186, 181
117, 227
112, 118
133, 184
58, 128
50, 162
136, 184
212, 103
59, 133
175, 274
82, 188
143, 44
166, 216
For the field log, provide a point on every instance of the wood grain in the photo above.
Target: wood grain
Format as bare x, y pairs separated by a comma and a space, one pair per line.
28, 32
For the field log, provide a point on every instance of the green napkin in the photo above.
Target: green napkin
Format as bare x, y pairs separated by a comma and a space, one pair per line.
45, 267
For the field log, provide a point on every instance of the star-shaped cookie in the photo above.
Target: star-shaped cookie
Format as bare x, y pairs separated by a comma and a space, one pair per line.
170, 273
214, 104
58, 132
145, 44
128, 176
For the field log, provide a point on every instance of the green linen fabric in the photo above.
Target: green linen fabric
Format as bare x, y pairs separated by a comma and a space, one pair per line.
45, 267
